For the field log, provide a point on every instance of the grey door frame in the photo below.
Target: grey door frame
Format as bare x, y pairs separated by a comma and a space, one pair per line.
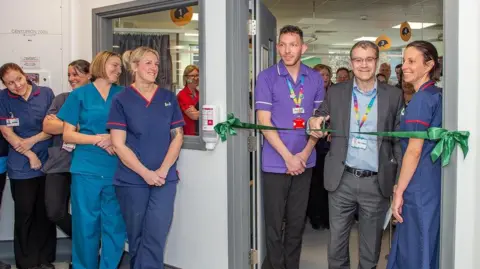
450, 114
237, 102
102, 39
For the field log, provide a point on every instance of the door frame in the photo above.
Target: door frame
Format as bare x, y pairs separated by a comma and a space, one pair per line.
102, 39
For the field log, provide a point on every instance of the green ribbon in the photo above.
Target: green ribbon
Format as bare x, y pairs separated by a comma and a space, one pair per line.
444, 147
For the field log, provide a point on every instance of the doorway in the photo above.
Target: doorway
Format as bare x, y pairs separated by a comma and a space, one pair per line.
330, 29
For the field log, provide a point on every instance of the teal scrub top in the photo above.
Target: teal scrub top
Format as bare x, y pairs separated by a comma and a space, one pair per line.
86, 107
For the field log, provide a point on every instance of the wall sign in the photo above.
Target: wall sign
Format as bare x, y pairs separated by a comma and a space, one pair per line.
30, 62
181, 16
405, 31
383, 42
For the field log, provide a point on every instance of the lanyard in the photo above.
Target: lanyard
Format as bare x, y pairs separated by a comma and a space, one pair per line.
426, 85
355, 108
297, 100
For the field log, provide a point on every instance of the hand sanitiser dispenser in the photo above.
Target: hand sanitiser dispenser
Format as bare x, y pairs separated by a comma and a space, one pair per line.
210, 118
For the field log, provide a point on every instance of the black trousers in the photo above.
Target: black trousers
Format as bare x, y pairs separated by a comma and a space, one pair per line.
285, 197
35, 236
317, 210
57, 197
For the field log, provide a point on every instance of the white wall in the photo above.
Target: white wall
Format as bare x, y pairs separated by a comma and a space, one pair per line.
467, 235
199, 235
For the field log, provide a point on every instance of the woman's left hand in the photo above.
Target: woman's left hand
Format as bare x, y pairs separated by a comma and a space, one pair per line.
397, 206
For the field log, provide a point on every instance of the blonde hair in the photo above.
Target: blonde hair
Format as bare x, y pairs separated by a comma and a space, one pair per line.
131, 58
189, 69
97, 67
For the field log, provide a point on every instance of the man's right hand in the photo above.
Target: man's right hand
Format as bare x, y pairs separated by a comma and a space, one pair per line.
317, 123
295, 165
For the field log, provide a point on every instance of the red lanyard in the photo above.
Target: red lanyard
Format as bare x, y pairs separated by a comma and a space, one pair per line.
426, 85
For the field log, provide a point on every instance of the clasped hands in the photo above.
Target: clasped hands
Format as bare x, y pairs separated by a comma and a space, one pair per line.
155, 178
104, 141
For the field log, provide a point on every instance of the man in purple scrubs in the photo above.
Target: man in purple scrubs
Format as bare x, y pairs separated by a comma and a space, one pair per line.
286, 96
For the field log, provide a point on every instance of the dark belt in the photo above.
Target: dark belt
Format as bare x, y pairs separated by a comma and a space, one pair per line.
359, 172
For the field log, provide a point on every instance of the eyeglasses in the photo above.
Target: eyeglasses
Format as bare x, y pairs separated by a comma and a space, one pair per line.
369, 60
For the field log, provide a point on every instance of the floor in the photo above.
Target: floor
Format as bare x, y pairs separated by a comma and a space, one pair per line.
314, 251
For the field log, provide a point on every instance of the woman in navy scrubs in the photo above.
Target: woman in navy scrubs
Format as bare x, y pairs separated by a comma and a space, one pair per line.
146, 127
416, 200
23, 106
96, 215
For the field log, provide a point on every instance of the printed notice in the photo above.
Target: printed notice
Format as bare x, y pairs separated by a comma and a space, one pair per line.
30, 62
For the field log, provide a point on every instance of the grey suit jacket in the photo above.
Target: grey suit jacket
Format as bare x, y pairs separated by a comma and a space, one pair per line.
337, 104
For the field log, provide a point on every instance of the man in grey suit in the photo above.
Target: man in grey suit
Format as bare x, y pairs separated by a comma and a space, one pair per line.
360, 170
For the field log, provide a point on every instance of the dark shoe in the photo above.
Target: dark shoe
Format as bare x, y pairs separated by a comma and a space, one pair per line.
47, 266
5, 266
70, 266
316, 226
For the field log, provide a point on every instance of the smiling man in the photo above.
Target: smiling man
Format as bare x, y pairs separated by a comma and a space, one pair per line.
286, 96
360, 169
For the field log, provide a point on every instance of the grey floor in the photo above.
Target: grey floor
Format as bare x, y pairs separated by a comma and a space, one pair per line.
314, 251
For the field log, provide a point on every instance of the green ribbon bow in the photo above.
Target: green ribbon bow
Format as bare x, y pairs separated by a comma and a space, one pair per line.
444, 147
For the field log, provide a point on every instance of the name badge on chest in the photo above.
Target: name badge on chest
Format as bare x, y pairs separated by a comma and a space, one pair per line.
13, 122
298, 110
68, 147
359, 142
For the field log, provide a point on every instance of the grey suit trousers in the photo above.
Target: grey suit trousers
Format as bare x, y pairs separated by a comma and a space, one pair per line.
365, 193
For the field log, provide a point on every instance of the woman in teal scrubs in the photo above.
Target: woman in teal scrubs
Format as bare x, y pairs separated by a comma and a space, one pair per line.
96, 213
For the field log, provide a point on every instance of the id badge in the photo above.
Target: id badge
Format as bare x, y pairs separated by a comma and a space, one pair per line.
298, 110
299, 123
13, 122
68, 147
359, 143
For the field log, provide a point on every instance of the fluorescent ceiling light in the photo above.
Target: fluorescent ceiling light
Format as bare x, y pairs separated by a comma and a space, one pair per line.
366, 38
191, 34
314, 21
195, 17
417, 25
342, 44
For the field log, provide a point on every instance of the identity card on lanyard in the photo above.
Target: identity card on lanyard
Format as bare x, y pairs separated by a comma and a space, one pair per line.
358, 141
298, 110
12, 121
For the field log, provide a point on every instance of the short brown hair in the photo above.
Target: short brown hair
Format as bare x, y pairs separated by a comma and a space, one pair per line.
364, 44
291, 29
97, 68
9, 67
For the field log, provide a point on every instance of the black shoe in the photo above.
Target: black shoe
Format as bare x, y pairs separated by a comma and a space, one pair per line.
47, 266
5, 266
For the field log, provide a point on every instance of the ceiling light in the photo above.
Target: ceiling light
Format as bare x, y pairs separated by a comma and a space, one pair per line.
195, 17
366, 38
191, 34
314, 21
417, 25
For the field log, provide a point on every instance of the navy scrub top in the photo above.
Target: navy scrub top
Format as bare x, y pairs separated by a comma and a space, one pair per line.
86, 107
30, 114
148, 126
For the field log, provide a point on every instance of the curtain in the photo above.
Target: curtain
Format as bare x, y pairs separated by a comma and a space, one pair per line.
160, 43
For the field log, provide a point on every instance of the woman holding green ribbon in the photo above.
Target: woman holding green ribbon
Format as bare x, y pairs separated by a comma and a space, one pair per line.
416, 202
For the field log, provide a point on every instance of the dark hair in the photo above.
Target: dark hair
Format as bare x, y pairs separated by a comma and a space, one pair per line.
429, 54
81, 66
380, 74
320, 67
291, 29
10, 66
398, 66
343, 69
364, 44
